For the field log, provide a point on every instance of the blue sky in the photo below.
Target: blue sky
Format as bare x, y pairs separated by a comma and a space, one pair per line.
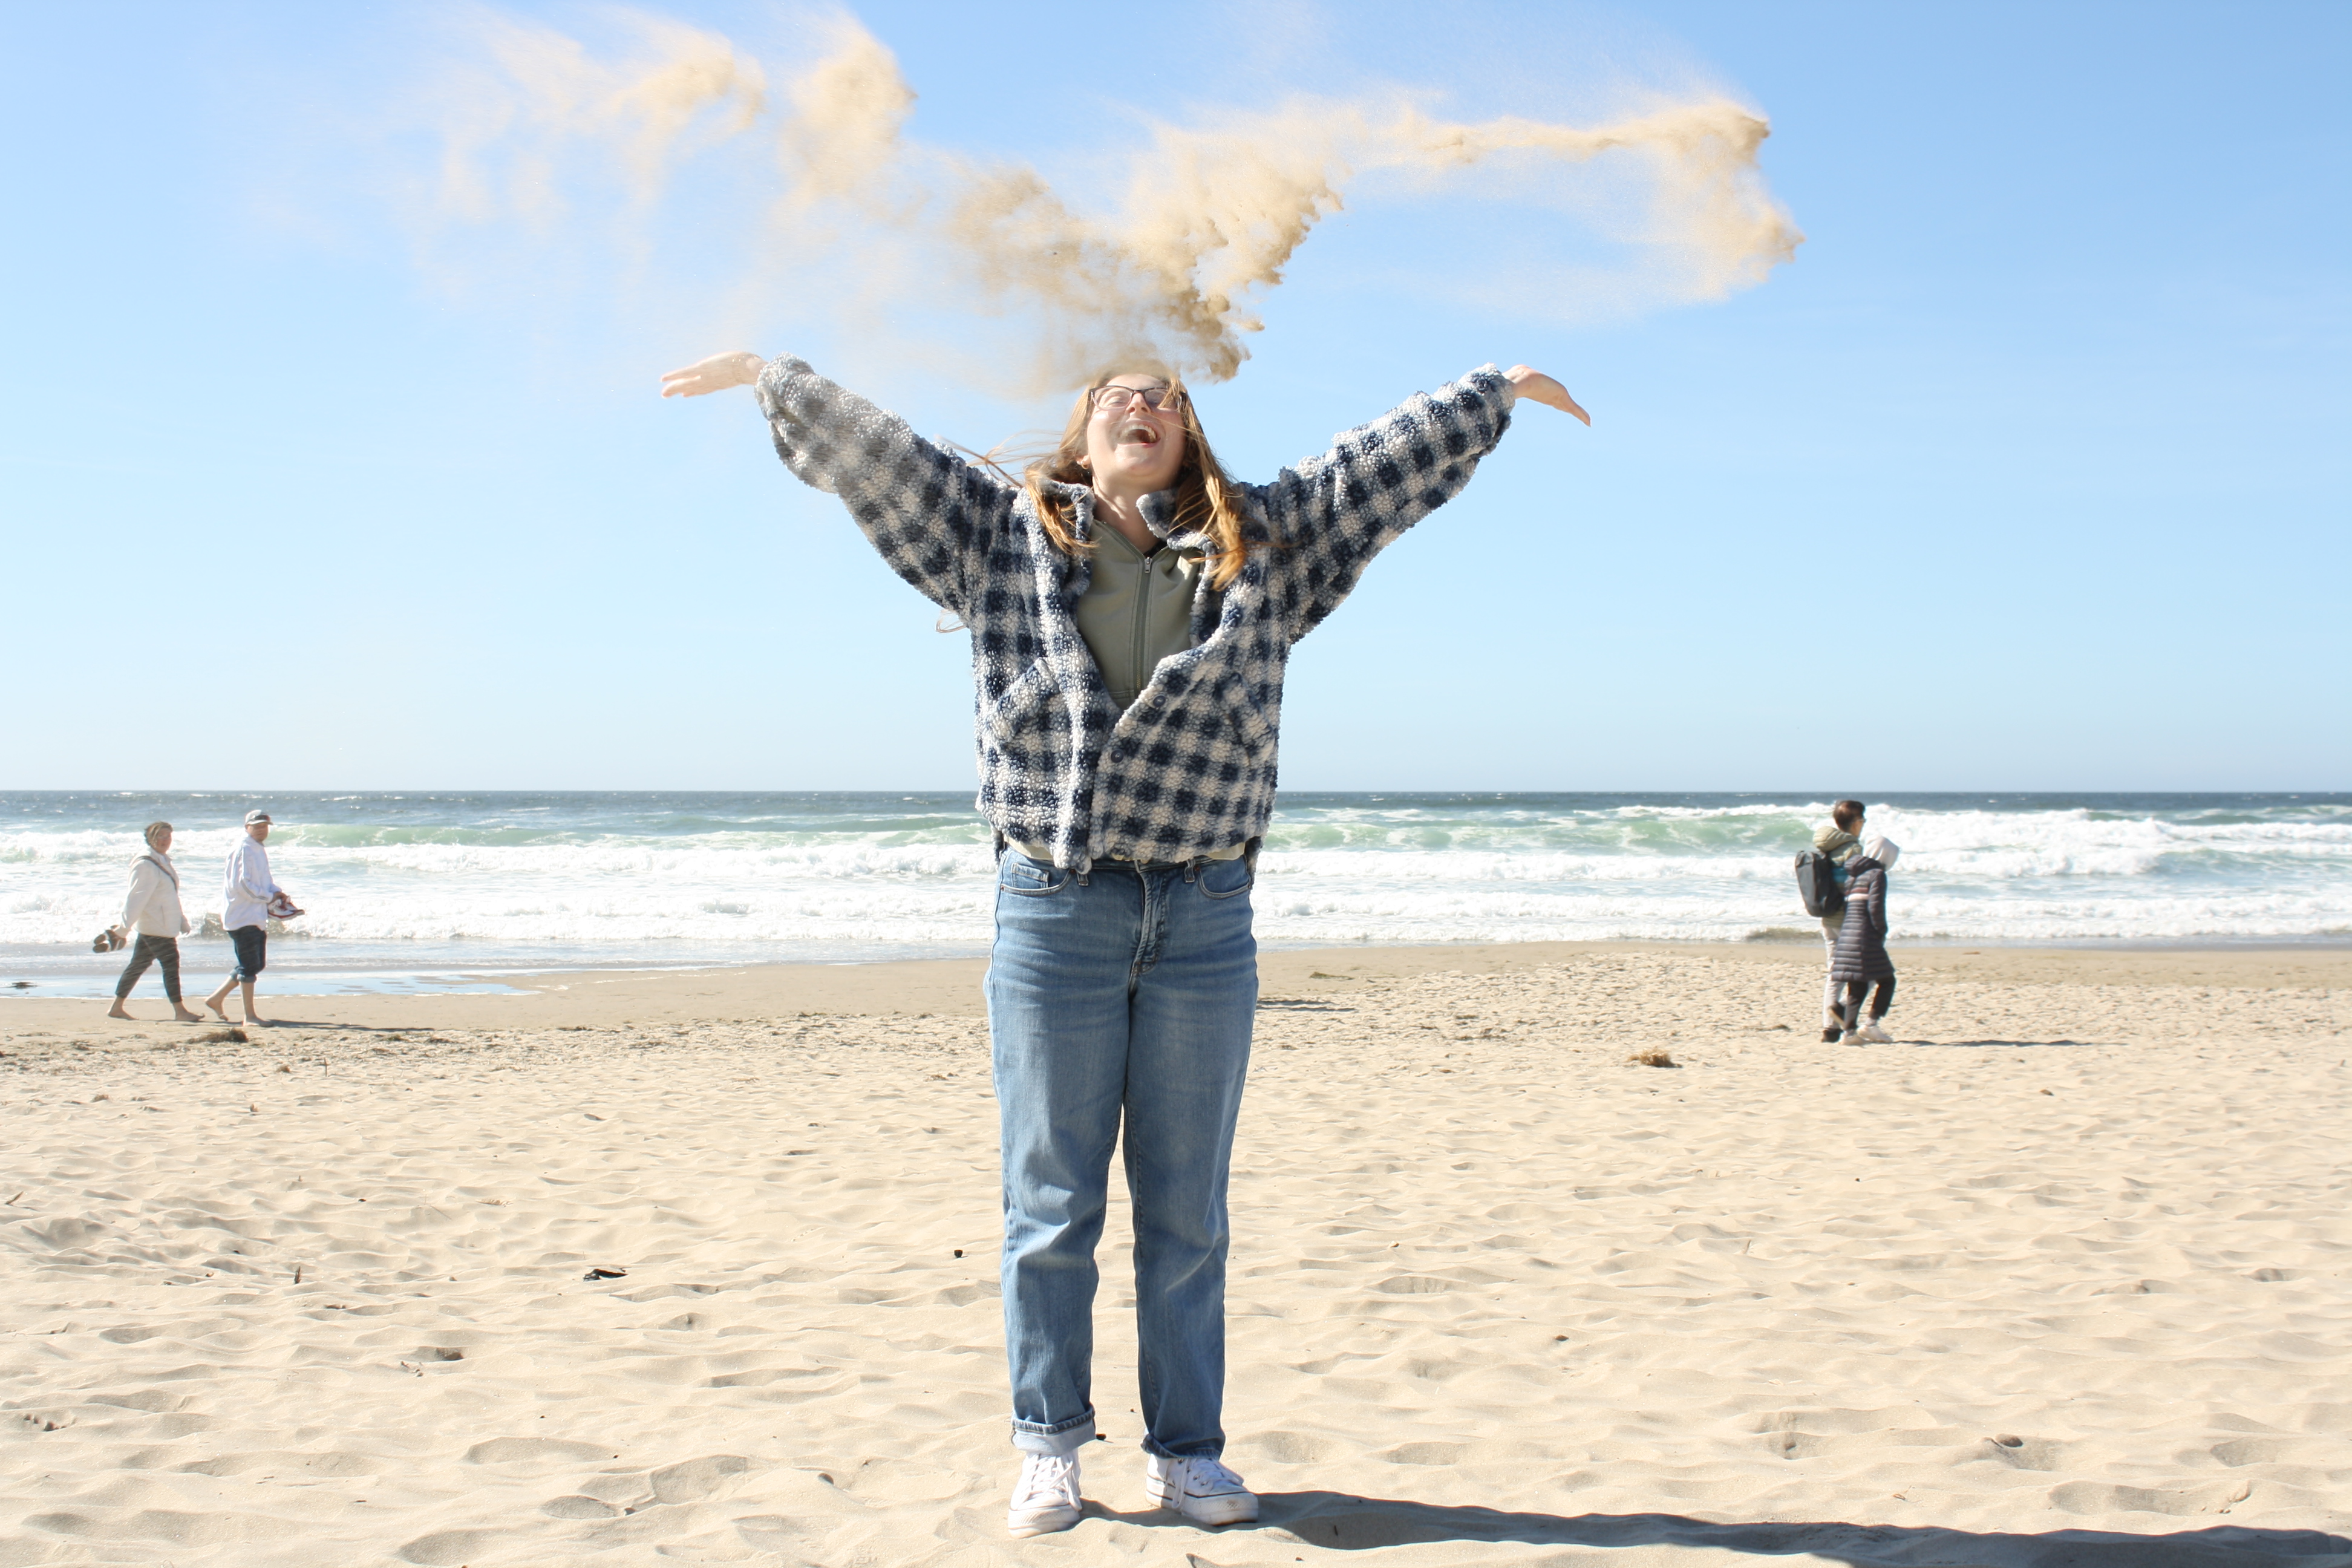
2028, 473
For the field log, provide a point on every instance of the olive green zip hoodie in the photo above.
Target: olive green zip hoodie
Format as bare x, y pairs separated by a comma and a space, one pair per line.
1137, 610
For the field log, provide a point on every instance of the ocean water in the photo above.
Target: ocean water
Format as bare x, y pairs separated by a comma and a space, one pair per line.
436, 891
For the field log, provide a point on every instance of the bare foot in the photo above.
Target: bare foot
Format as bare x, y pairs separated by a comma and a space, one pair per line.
185, 1016
253, 1023
116, 1012
218, 1011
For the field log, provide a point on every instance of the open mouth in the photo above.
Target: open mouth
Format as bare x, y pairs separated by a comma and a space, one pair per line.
1141, 431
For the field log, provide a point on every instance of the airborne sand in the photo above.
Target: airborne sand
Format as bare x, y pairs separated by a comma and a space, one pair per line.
549, 137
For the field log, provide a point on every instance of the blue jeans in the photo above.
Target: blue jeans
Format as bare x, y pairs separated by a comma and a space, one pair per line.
1127, 994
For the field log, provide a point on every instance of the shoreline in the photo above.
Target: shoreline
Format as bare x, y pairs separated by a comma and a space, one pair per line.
557, 999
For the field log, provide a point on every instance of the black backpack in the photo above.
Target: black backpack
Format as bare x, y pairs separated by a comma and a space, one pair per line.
1818, 884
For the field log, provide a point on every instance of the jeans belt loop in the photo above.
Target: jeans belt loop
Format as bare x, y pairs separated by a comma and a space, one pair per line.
1193, 868
1085, 870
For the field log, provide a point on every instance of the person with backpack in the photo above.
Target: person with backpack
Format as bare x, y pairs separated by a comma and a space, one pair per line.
1822, 877
152, 919
1859, 962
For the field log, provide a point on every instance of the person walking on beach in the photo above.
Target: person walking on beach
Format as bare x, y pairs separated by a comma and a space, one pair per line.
245, 913
1840, 842
1133, 609
1860, 962
152, 919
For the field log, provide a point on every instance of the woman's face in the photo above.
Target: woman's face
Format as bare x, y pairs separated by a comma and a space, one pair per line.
1131, 445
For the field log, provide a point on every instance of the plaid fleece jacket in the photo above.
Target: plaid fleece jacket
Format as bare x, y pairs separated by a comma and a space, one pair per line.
1188, 769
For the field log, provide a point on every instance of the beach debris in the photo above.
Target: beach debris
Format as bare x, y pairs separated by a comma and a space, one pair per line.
959, 1251
221, 1037
601, 1272
297, 1274
283, 1068
2010, 1440
21, 985
12, 1202
439, 1353
1653, 1057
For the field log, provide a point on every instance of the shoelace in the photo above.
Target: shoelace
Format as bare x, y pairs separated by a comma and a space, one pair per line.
1210, 1476
1048, 1478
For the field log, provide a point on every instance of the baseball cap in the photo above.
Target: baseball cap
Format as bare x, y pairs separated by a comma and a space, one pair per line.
253, 816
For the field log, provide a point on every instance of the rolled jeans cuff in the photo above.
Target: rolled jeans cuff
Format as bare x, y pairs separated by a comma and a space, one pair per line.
1066, 1439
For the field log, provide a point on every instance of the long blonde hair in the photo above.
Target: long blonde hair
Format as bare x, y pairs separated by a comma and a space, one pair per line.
1207, 498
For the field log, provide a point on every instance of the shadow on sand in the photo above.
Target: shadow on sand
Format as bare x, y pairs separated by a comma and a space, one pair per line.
1336, 1522
2012, 1044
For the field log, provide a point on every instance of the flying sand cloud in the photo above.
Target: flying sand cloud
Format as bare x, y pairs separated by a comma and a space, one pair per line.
1171, 275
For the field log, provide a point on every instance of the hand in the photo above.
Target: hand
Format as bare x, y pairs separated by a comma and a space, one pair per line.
1534, 383
716, 373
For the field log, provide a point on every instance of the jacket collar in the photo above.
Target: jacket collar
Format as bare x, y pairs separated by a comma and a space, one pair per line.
1159, 511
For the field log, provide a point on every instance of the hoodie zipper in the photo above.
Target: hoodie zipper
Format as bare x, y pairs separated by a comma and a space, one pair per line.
1140, 645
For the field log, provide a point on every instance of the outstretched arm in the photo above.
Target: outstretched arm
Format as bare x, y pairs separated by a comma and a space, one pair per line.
1528, 383
1332, 513
739, 367
929, 512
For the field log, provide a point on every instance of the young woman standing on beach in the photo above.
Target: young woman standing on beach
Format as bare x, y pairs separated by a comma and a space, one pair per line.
1133, 609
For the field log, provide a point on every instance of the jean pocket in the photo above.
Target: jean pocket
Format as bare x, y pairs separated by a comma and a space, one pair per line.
1016, 873
1227, 879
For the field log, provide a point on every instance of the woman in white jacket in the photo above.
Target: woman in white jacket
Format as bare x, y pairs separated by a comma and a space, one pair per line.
152, 917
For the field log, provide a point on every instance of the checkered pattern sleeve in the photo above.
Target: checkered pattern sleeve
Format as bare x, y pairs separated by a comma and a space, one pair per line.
1332, 514
931, 514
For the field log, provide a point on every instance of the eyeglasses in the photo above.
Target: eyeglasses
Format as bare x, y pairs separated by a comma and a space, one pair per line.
1114, 399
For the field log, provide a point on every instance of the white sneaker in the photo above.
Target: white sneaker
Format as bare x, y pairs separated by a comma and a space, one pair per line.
1203, 1490
1874, 1034
1045, 1498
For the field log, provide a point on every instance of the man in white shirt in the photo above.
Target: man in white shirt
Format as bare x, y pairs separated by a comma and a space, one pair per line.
245, 913
152, 917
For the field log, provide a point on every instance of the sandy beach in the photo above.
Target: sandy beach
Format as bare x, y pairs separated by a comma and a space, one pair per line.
2060, 1278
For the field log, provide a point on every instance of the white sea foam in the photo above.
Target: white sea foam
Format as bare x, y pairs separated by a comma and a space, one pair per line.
485, 882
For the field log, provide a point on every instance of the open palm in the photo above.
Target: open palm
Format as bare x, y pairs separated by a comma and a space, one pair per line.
1534, 383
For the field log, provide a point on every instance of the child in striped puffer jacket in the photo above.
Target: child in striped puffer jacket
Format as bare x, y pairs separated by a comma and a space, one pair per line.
1861, 962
